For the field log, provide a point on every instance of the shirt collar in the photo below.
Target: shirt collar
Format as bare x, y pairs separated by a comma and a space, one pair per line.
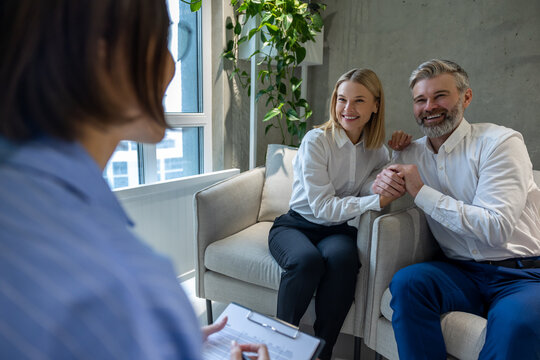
463, 129
341, 138
68, 163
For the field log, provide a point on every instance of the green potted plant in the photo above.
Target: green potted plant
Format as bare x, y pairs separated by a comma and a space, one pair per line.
284, 27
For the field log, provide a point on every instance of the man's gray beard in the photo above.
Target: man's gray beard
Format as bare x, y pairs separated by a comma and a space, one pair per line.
449, 123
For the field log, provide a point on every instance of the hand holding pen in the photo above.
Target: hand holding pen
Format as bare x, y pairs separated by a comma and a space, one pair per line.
237, 351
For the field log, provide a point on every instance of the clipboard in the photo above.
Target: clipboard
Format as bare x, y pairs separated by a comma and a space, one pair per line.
284, 341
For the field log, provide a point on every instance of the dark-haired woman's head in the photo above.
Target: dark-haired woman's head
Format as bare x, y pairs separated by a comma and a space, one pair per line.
67, 65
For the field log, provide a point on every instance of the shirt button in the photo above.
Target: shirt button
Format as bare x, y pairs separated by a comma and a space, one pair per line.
441, 168
475, 252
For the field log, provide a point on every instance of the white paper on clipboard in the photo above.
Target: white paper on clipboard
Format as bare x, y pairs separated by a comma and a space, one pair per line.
284, 341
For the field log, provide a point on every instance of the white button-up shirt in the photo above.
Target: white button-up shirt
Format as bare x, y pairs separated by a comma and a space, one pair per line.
479, 196
330, 175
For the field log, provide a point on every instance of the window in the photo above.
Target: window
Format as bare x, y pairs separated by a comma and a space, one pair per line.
186, 148
123, 167
120, 168
178, 154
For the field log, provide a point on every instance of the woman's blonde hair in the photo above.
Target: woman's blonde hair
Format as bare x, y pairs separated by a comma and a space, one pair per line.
373, 132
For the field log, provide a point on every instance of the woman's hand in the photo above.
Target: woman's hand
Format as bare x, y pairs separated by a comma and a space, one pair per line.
400, 140
214, 328
384, 201
260, 349
389, 184
236, 350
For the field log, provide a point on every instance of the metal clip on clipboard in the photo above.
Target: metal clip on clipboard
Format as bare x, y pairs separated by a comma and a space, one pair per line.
275, 325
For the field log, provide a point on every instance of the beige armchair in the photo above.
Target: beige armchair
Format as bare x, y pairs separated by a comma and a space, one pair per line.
399, 239
233, 263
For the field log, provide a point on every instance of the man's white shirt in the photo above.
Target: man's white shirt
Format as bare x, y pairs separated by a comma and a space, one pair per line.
479, 196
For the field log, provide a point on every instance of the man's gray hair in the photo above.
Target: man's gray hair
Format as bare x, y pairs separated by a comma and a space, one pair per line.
435, 67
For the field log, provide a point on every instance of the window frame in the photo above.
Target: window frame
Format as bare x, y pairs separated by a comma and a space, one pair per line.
147, 152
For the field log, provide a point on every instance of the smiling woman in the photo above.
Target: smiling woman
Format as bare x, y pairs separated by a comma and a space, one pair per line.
355, 106
361, 80
313, 242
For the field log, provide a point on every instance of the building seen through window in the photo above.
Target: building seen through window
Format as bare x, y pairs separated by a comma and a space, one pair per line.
123, 167
177, 154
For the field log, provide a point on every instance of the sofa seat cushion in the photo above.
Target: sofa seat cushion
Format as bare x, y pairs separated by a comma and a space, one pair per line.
464, 333
245, 256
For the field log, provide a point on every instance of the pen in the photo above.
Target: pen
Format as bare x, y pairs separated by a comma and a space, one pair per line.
244, 356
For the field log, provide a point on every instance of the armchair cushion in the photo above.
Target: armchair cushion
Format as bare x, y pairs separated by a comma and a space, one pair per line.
278, 181
233, 220
245, 256
464, 333
386, 310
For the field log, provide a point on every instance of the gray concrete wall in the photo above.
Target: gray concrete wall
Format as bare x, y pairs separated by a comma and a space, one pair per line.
496, 41
230, 104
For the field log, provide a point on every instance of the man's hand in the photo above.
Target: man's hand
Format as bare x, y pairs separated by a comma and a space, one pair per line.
388, 184
214, 328
400, 140
409, 173
260, 349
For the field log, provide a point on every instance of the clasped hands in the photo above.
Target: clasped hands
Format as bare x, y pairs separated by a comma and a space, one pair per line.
392, 182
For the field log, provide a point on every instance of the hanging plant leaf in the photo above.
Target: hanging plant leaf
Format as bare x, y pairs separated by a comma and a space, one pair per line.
237, 29
287, 21
300, 54
242, 40
295, 82
195, 5
252, 32
317, 21
271, 114
282, 88
271, 27
302, 103
292, 115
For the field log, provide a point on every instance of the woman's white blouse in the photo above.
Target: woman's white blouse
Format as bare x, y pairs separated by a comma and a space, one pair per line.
330, 176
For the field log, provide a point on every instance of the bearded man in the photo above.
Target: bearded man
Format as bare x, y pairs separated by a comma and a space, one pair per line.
475, 184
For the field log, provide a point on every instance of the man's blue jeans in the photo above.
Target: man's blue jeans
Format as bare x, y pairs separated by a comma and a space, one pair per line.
508, 298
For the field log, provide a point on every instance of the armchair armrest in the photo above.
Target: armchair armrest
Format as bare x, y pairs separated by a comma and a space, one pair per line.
224, 209
363, 244
399, 239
